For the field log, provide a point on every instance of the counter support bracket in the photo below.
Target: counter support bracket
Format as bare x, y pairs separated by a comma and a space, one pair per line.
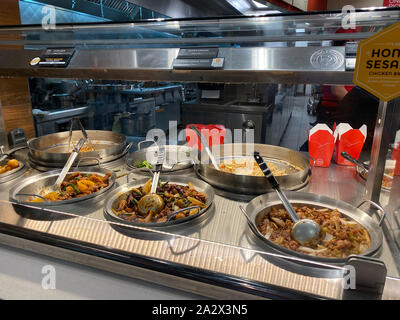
361, 285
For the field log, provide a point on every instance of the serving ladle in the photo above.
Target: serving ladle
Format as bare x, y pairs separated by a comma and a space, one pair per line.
152, 201
304, 231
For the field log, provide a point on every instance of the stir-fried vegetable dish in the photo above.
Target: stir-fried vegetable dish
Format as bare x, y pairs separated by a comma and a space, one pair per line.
175, 197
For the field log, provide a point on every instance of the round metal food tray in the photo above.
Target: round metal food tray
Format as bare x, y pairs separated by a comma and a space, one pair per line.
177, 158
201, 186
35, 184
52, 150
256, 185
262, 205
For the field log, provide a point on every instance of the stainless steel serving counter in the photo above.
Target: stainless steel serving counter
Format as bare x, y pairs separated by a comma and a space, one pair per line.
215, 257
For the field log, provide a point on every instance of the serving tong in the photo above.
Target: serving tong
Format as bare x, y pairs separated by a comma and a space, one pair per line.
57, 185
152, 201
206, 147
360, 164
84, 133
68, 164
4, 155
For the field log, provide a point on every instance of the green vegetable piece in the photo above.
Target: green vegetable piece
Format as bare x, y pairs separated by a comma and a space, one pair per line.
76, 189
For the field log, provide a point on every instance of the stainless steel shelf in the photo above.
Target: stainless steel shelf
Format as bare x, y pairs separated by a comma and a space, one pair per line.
242, 65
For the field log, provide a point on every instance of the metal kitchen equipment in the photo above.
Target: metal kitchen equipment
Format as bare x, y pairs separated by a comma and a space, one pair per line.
283, 158
261, 205
57, 120
304, 231
52, 150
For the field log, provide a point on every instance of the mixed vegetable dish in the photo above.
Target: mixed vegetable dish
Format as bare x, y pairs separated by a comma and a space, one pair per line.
175, 197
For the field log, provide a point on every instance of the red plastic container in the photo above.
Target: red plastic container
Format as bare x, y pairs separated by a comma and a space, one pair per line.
321, 143
214, 133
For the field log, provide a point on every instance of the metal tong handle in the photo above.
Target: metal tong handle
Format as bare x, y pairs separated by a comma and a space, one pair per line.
206, 146
275, 185
251, 224
360, 164
85, 135
69, 163
173, 214
157, 169
11, 151
355, 161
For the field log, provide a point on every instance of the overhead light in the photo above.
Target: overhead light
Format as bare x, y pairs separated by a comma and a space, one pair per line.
259, 5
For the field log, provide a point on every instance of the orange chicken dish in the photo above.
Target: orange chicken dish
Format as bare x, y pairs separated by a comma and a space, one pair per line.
11, 164
75, 185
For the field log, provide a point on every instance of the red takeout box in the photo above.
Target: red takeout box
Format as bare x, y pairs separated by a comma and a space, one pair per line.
321, 143
214, 133
349, 140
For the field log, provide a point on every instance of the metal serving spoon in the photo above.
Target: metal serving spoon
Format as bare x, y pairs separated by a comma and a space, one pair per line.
152, 201
304, 231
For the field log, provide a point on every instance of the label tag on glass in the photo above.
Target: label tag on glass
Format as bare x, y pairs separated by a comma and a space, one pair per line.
197, 53
54, 57
202, 58
204, 64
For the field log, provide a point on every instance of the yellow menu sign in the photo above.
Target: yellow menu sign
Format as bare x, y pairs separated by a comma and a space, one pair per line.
378, 64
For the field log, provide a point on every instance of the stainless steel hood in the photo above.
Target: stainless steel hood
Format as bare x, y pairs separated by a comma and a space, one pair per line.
251, 65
